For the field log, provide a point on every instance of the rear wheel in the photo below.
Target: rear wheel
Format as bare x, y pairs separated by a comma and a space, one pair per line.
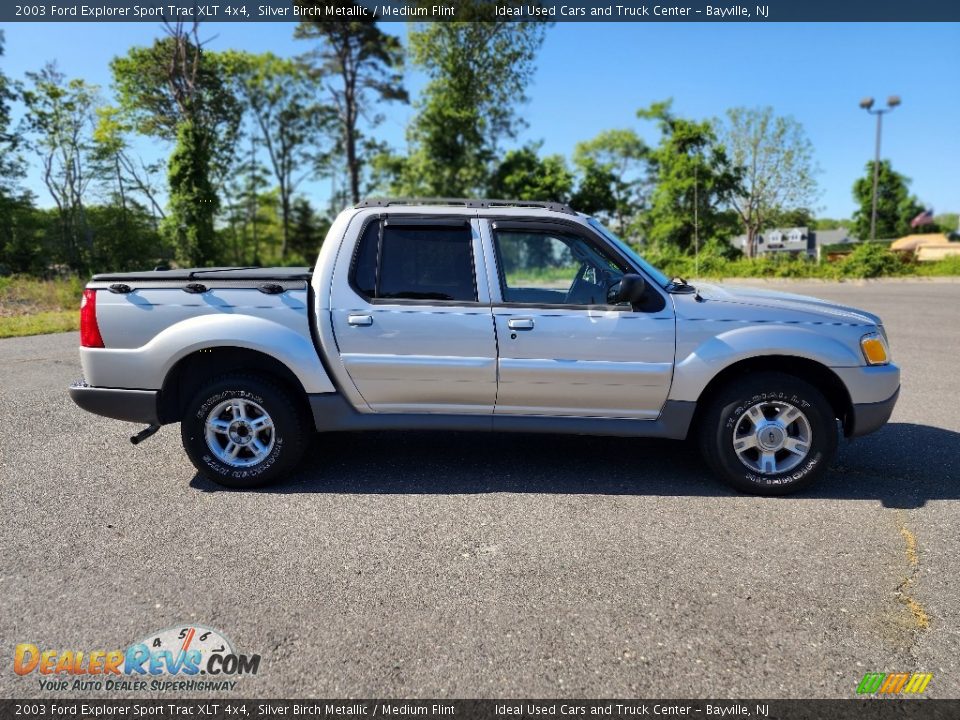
769, 434
243, 431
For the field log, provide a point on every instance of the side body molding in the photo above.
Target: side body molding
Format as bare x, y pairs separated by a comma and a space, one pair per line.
146, 367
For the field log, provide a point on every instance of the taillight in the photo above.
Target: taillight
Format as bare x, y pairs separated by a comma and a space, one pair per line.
89, 330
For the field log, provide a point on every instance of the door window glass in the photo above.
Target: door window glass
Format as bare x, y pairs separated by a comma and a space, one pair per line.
554, 269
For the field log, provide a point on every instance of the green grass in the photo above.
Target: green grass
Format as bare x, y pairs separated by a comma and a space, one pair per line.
35, 307
40, 323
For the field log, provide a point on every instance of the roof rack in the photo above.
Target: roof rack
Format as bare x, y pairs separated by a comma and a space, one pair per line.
468, 202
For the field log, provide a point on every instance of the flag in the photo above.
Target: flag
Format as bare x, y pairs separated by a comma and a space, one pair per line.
924, 218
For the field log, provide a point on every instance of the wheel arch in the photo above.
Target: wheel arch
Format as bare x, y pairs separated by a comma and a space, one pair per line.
192, 371
817, 374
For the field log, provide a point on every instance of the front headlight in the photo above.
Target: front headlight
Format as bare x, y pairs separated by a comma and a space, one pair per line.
874, 347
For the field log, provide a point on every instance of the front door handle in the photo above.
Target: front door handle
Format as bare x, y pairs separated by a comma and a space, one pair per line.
520, 323
359, 320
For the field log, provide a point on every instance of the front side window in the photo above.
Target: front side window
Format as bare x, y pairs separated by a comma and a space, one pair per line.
554, 269
404, 262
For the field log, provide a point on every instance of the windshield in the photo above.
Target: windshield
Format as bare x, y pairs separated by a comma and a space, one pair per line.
661, 279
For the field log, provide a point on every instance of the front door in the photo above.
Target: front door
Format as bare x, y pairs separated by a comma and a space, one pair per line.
565, 349
416, 333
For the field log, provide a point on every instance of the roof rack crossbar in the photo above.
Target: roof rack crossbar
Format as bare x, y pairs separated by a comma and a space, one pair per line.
467, 202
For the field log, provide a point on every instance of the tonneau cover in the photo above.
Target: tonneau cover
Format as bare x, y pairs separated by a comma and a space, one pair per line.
212, 273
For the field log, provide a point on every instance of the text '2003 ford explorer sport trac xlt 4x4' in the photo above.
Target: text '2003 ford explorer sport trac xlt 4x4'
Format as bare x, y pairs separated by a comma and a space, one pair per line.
480, 315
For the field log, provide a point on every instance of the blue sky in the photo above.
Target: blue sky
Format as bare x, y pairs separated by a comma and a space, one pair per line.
594, 76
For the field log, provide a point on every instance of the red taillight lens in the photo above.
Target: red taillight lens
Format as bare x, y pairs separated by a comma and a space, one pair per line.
89, 330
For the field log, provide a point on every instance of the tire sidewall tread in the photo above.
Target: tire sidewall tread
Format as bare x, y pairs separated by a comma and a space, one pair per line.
725, 410
276, 400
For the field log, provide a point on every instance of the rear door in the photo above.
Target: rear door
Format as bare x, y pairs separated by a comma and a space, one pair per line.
565, 348
415, 331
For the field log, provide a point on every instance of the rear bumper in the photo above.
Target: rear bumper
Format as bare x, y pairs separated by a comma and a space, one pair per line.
867, 417
138, 406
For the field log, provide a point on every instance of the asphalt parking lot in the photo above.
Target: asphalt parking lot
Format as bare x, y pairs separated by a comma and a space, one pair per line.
455, 565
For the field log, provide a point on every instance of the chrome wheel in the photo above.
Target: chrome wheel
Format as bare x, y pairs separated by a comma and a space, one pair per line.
239, 432
772, 437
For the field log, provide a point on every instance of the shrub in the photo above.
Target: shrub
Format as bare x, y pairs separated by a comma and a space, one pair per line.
871, 260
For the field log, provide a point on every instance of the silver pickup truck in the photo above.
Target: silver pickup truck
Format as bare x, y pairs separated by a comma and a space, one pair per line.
480, 315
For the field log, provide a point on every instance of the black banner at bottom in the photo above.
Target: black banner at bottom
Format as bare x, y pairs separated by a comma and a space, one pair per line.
873, 709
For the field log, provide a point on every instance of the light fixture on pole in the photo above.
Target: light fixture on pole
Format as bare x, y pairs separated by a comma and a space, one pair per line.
867, 104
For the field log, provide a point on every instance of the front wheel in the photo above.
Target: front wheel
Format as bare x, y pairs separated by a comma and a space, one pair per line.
769, 434
243, 431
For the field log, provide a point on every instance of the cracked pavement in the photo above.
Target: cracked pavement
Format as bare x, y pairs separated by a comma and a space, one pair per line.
458, 565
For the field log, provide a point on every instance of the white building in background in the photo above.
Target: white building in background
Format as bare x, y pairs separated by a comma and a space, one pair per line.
794, 241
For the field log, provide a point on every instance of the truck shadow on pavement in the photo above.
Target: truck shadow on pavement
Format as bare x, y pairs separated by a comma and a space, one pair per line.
903, 465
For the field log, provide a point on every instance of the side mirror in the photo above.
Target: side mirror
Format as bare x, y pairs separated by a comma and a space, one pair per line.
632, 289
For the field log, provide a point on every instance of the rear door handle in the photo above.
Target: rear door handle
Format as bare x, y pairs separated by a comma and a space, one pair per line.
359, 320
520, 323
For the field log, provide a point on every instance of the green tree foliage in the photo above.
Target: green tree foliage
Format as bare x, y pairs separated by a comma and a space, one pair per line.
612, 166
870, 260
279, 96
193, 200
523, 175
833, 224
477, 71
248, 232
178, 91
948, 222
126, 176
896, 207
20, 247
359, 66
308, 231
11, 163
694, 182
793, 217
60, 120
775, 158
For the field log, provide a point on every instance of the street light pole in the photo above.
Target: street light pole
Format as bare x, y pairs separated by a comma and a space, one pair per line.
867, 104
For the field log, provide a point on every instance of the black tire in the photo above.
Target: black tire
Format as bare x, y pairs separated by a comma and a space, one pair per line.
767, 391
279, 447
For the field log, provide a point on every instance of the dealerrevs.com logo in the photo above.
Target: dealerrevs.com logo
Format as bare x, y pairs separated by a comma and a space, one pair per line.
183, 658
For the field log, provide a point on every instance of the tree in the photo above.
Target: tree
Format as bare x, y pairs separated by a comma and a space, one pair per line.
60, 120
118, 167
694, 181
776, 164
177, 91
524, 175
20, 249
615, 158
309, 230
193, 199
896, 207
367, 64
11, 164
278, 94
478, 70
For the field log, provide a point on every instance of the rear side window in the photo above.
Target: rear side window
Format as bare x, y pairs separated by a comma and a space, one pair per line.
404, 262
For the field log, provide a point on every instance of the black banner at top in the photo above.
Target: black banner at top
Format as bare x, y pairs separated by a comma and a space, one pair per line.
447, 10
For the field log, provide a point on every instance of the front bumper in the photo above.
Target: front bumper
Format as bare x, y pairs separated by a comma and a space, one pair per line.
138, 406
867, 417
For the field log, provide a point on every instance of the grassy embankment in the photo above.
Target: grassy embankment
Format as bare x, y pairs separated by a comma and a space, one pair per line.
36, 307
